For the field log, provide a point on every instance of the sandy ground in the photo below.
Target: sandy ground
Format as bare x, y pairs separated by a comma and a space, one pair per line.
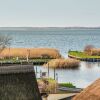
58, 96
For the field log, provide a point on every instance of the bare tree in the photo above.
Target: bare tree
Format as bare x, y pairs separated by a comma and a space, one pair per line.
5, 41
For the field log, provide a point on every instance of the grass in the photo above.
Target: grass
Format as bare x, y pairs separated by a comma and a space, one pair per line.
69, 85
34, 61
80, 54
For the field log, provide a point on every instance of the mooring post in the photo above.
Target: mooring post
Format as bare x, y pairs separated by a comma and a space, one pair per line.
36, 71
48, 70
54, 74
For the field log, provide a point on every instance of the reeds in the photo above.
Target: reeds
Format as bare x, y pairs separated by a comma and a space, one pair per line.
63, 63
92, 51
88, 49
95, 51
30, 53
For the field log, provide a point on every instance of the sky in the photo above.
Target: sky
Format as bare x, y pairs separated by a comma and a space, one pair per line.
49, 13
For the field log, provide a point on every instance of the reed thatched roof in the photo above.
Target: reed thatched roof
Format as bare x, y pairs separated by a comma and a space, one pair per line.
18, 82
92, 92
16, 69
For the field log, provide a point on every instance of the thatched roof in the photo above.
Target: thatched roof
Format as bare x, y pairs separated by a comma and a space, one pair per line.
16, 69
92, 92
18, 82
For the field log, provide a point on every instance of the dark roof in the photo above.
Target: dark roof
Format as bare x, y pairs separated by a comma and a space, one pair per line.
18, 82
16, 69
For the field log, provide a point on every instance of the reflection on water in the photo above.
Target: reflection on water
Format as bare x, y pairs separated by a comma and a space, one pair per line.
81, 77
91, 64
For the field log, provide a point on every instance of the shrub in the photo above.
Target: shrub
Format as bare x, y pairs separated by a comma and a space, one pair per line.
48, 85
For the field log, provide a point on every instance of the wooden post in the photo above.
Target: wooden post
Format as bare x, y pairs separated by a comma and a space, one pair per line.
48, 70
28, 54
40, 74
27, 58
17, 58
57, 77
36, 71
9, 52
54, 74
56, 83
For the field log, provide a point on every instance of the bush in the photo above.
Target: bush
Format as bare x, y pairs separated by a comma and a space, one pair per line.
48, 85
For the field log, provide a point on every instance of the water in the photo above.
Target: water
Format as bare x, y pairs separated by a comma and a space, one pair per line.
82, 77
63, 40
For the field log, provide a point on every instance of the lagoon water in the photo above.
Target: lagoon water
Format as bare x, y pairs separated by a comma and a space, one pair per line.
63, 39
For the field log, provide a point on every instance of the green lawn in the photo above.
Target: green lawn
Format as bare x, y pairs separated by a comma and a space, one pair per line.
81, 54
48, 79
69, 85
13, 60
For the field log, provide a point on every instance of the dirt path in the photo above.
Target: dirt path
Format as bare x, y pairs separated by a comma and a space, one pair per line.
59, 96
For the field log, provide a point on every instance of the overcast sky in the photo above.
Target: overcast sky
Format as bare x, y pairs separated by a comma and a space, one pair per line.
49, 13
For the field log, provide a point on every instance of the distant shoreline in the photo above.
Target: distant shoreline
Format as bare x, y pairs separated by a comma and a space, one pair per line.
32, 28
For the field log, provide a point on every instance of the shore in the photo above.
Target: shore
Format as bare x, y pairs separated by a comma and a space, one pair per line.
83, 57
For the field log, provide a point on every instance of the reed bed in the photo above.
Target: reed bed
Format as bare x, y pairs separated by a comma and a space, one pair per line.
63, 63
30, 53
93, 52
88, 49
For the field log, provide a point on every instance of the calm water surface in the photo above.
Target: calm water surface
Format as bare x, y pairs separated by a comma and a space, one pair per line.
63, 40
